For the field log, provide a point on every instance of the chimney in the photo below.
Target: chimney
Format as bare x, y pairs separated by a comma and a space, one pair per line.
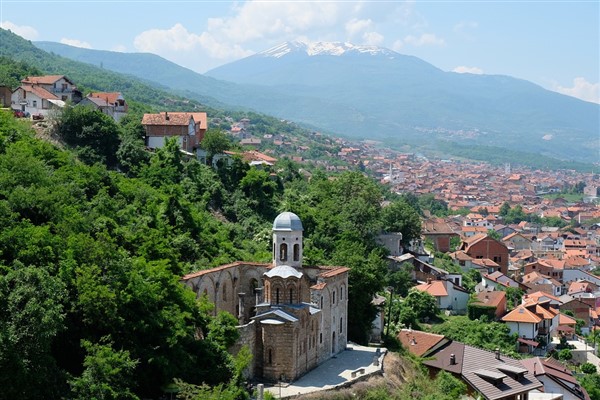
429, 281
166, 116
497, 353
413, 341
452, 359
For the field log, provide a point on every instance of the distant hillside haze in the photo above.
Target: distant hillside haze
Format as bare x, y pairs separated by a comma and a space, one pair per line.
376, 93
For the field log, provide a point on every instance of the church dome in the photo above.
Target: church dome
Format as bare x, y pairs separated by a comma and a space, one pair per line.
287, 221
283, 271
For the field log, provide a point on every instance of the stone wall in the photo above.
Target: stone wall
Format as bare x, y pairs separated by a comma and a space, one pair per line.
247, 338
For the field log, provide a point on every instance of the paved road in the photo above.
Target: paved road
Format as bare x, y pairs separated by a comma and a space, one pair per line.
333, 372
583, 353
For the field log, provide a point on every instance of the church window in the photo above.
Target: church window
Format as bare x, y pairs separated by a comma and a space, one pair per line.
296, 252
333, 298
283, 252
321, 302
341, 320
291, 295
277, 296
321, 337
341, 294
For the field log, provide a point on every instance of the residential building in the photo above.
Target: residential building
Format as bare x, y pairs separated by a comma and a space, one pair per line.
189, 129
59, 85
448, 295
112, 104
483, 246
495, 299
556, 378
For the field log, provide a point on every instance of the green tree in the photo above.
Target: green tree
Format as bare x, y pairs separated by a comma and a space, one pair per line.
93, 134
399, 216
591, 383
215, 142
401, 280
107, 373
588, 368
449, 386
31, 317
422, 303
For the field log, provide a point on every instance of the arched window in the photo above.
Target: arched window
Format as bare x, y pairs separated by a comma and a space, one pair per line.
341, 320
333, 302
296, 252
321, 302
283, 252
277, 296
291, 295
341, 294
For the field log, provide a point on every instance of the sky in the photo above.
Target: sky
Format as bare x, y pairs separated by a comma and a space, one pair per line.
555, 44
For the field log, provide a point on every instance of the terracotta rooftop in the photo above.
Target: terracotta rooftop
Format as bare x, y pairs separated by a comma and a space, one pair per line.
223, 267
334, 271
44, 80
492, 299
522, 314
39, 92
434, 288
109, 97
418, 342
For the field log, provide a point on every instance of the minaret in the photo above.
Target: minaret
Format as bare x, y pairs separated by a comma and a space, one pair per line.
287, 240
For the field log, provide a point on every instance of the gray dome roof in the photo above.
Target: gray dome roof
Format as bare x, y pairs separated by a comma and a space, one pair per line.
287, 221
283, 271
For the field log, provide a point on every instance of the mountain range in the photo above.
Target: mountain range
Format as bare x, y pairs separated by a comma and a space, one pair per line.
376, 93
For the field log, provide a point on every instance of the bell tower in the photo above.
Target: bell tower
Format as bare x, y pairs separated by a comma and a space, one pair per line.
287, 240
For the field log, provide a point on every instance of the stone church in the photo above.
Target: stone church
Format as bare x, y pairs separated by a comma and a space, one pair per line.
292, 317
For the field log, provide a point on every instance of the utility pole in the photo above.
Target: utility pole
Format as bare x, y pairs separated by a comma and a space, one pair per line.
387, 323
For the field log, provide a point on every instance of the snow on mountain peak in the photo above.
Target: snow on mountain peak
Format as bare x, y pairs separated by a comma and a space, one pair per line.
322, 48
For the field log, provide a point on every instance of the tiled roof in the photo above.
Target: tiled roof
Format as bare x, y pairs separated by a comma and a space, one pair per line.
492, 299
556, 371
319, 286
109, 97
167, 118
522, 314
334, 272
564, 319
39, 92
43, 80
434, 288
222, 267
418, 342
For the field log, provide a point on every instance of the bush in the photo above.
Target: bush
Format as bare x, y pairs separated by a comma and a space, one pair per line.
588, 368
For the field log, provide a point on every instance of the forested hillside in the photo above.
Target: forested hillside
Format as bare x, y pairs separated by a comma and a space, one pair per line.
91, 258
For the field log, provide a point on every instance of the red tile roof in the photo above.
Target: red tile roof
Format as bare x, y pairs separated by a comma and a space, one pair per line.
522, 314
44, 80
417, 342
434, 288
39, 92
222, 267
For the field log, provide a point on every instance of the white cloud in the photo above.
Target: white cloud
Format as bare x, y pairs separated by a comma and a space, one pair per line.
468, 70
373, 38
581, 89
426, 39
119, 48
76, 43
26, 32
355, 26
465, 26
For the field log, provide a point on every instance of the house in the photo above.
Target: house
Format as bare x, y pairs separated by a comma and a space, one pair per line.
492, 375
110, 103
292, 317
448, 295
534, 323
439, 232
483, 246
496, 281
556, 378
189, 129
536, 282
517, 241
421, 343
495, 299
35, 100
59, 85
5, 95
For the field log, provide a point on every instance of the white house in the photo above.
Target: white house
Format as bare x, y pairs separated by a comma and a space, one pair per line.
35, 100
448, 295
